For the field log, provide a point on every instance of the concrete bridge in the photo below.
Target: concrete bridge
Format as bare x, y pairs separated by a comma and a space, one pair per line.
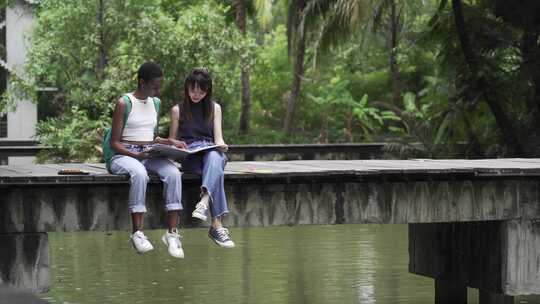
471, 223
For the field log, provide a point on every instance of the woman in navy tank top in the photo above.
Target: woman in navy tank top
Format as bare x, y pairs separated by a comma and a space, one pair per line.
196, 123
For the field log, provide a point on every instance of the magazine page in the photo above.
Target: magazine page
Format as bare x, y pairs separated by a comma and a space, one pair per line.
205, 148
161, 150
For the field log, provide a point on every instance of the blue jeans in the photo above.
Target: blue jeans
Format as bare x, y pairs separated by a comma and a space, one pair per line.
210, 164
138, 172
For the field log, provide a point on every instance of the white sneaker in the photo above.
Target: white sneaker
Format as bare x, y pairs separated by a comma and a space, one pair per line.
201, 211
140, 242
173, 243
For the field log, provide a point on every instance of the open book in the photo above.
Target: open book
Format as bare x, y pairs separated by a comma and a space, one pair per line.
172, 152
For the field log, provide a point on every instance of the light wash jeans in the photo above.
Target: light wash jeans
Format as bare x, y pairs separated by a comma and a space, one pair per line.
210, 164
138, 172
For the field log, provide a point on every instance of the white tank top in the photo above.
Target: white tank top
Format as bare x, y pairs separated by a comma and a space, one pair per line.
142, 120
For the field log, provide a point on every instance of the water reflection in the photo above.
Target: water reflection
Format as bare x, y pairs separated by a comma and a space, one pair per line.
307, 264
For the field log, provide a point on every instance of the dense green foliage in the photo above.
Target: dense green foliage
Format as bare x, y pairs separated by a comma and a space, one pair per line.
92, 63
446, 74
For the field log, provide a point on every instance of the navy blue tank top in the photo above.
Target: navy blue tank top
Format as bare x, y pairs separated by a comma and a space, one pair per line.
196, 128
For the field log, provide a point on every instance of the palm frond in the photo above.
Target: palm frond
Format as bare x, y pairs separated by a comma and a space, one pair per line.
350, 13
293, 18
338, 20
264, 12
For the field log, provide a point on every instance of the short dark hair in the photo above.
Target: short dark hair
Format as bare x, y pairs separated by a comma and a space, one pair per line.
148, 71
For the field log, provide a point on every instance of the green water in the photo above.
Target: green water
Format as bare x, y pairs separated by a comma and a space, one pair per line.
306, 264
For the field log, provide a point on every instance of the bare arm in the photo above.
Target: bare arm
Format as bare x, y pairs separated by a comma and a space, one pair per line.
218, 134
117, 129
173, 130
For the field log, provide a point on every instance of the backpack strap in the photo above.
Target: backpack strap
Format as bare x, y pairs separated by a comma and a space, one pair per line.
127, 109
108, 151
157, 104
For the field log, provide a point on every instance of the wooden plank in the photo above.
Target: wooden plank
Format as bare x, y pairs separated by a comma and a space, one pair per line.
533, 161
490, 167
396, 168
27, 170
48, 173
275, 167
82, 167
10, 171
279, 169
100, 166
489, 163
287, 169
311, 166
339, 166
297, 166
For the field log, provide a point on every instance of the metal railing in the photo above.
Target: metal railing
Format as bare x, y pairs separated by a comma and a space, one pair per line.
29, 147
20, 147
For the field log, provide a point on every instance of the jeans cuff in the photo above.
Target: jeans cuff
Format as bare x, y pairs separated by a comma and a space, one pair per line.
137, 209
173, 206
226, 212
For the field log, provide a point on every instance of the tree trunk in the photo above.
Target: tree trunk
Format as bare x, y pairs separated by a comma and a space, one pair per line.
323, 134
504, 122
528, 42
394, 68
245, 112
530, 73
349, 126
473, 144
102, 60
298, 73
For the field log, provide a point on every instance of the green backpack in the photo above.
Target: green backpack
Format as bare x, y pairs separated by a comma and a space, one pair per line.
108, 151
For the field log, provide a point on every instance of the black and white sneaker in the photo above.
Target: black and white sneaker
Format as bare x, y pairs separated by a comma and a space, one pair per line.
221, 237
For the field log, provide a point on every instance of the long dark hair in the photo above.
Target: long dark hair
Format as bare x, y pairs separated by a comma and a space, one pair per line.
202, 78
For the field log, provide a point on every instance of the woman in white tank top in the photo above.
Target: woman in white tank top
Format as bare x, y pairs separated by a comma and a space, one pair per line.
130, 141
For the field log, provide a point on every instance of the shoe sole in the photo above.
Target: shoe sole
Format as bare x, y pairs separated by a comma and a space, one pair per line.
219, 244
141, 252
202, 217
164, 240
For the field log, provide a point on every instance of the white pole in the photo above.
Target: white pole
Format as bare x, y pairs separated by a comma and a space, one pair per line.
21, 123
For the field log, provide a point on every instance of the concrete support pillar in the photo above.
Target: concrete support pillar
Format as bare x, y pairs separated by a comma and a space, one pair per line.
14, 296
448, 292
467, 254
500, 258
486, 297
24, 261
